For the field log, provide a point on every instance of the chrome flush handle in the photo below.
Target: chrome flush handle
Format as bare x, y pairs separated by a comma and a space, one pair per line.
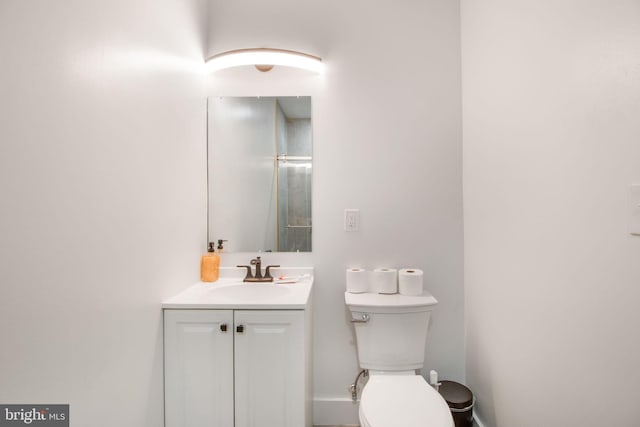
364, 319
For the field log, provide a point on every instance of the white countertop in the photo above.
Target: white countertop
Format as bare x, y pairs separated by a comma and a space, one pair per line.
229, 292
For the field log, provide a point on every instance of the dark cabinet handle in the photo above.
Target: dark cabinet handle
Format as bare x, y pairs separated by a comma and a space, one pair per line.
240, 329
223, 327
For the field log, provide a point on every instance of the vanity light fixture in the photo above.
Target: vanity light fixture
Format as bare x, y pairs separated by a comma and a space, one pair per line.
264, 59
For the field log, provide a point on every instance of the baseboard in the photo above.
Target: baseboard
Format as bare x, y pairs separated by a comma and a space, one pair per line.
335, 411
476, 421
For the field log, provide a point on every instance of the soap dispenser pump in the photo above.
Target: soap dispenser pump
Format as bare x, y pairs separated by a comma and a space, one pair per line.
210, 265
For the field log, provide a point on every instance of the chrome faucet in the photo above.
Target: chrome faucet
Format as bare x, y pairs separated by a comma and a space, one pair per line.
258, 277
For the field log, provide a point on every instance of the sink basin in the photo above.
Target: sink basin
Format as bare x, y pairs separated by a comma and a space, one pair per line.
250, 292
229, 292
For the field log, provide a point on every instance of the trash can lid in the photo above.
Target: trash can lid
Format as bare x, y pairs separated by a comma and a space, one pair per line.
457, 395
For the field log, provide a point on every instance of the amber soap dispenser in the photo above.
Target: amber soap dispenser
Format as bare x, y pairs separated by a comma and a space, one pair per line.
210, 265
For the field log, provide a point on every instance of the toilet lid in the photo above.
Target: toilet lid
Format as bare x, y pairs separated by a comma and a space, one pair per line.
402, 400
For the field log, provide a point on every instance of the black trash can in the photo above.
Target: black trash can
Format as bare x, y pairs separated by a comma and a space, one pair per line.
460, 401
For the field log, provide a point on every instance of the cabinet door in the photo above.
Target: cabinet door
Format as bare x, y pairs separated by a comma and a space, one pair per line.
269, 356
198, 360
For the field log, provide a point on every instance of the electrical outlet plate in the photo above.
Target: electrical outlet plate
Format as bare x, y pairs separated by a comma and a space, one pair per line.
351, 219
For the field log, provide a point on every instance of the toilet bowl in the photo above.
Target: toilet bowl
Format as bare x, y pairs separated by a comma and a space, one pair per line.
391, 332
402, 401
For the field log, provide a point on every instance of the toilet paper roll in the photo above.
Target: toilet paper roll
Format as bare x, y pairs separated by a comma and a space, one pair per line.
357, 282
410, 281
385, 280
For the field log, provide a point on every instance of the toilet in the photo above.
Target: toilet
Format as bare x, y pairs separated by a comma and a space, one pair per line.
391, 333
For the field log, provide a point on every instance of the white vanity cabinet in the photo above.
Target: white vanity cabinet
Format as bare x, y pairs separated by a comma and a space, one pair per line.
269, 368
198, 368
247, 365
238, 354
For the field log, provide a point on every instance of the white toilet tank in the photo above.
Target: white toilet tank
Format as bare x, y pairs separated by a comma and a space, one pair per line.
391, 330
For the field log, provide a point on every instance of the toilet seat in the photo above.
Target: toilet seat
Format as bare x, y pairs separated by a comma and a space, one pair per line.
402, 400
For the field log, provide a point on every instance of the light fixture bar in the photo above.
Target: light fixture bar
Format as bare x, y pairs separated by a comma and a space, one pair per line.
264, 59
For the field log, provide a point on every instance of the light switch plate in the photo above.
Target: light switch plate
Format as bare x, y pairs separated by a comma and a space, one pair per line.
351, 219
634, 209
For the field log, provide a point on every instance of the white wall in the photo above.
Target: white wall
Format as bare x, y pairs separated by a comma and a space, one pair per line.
102, 179
386, 124
551, 142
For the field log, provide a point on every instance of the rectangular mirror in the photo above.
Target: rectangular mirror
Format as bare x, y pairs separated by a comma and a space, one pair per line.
260, 173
